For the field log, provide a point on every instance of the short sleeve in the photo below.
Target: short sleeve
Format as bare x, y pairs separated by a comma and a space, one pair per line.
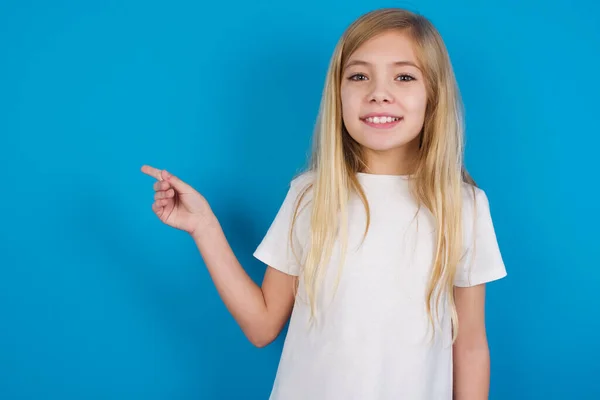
275, 249
482, 262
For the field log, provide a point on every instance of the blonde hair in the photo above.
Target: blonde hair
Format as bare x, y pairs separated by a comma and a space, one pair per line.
439, 172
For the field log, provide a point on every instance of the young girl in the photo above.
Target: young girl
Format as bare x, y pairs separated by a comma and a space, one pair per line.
382, 247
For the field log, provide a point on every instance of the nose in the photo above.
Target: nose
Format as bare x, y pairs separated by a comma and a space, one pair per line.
379, 94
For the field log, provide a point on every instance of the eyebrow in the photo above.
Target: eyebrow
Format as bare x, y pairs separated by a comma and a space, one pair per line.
396, 63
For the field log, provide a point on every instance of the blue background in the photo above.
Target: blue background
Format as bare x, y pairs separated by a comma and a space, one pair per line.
99, 300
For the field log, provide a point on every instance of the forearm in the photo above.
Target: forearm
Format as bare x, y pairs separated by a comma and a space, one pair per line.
471, 373
243, 298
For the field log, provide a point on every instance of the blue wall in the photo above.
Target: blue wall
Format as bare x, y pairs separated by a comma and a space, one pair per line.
99, 300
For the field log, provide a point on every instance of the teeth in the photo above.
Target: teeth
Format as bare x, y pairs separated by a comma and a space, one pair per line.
381, 120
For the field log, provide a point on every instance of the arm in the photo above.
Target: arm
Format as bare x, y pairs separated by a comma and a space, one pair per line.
471, 352
261, 312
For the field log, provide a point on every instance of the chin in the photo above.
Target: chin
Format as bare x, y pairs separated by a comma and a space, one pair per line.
383, 143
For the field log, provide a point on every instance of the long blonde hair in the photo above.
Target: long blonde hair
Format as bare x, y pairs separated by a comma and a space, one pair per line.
439, 172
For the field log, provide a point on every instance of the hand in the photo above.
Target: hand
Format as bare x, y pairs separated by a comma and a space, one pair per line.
176, 203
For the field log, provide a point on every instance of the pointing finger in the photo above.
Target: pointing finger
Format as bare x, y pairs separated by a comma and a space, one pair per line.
153, 172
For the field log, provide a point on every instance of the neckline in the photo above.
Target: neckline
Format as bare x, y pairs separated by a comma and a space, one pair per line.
383, 176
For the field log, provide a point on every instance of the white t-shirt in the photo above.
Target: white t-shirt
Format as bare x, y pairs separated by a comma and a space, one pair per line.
370, 341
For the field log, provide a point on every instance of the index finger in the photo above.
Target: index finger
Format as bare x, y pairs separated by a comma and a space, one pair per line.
151, 171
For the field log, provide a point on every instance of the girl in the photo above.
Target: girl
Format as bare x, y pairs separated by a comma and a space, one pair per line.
382, 247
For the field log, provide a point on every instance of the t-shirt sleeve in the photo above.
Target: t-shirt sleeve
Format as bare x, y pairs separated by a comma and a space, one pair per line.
482, 261
275, 249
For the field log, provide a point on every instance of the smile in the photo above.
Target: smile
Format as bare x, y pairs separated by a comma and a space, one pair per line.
382, 122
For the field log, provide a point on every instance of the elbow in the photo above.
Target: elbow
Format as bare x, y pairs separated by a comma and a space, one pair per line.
475, 352
471, 342
261, 342
262, 338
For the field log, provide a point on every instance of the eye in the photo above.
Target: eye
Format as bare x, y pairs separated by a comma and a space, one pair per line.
356, 76
406, 77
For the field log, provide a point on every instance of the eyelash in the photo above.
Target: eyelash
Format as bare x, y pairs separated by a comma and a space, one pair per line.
412, 78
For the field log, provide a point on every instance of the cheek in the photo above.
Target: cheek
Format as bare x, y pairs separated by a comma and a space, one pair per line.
415, 102
350, 107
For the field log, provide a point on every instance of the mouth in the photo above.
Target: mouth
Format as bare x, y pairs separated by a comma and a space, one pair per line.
381, 121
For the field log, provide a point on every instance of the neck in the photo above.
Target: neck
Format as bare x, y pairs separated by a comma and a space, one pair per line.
398, 161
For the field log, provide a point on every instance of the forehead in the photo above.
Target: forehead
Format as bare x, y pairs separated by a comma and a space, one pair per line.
387, 47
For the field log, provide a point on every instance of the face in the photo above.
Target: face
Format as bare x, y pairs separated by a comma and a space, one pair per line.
384, 99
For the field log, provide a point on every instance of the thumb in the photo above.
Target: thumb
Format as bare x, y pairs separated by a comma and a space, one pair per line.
177, 183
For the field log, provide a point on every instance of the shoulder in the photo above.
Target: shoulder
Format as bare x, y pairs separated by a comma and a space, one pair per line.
299, 195
301, 183
302, 179
474, 199
472, 193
